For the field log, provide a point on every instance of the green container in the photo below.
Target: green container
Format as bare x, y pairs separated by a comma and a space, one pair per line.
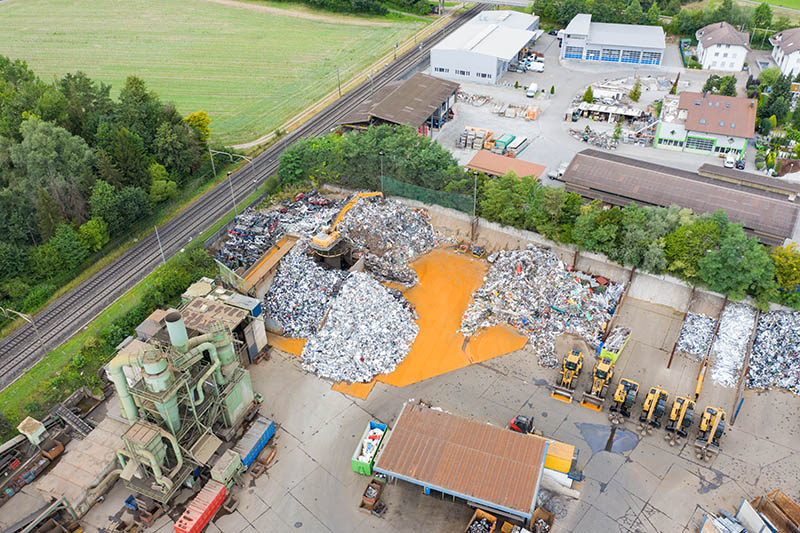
360, 467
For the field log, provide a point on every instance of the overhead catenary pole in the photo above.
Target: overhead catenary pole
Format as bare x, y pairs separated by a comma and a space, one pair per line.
339, 81
160, 248
233, 197
213, 167
29, 319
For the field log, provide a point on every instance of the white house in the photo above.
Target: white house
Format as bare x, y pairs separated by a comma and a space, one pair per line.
786, 51
585, 40
720, 46
482, 50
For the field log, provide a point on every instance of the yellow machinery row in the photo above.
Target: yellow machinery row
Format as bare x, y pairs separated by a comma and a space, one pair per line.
656, 402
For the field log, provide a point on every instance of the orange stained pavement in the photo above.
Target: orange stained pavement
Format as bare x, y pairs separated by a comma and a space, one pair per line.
446, 283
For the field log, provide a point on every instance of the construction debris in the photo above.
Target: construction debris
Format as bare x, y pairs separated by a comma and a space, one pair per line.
301, 292
775, 358
369, 447
730, 344
391, 235
696, 334
254, 232
532, 291
602, 139
367, 332
616, 339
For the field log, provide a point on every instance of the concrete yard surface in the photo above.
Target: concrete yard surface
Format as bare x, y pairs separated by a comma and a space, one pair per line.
643, 485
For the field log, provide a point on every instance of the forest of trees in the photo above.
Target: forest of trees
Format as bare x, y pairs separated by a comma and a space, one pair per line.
77, 169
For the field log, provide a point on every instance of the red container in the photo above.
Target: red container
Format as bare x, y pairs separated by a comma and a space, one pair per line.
202, 508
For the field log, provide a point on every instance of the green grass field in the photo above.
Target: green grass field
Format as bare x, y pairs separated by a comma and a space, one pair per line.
249, 69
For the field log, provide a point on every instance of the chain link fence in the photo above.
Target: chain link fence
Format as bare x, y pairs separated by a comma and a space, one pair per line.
460, 202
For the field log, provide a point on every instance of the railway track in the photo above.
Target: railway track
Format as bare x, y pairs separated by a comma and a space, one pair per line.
74, 310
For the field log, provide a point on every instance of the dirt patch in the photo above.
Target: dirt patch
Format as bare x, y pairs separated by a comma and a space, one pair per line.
301, 14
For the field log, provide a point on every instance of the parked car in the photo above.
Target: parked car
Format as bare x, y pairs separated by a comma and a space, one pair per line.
552, 32
521, 69
536, 66
531, 92
740, 164
730, 161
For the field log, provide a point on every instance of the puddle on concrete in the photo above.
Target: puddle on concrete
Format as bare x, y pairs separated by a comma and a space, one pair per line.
608, 438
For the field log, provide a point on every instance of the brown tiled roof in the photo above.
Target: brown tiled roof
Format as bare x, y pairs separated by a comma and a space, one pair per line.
499, 165
723, 115
621, 181
414, 100
788, 40
722, 33
474, 460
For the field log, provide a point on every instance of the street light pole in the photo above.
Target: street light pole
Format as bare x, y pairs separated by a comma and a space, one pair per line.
213, 167
29, 320
475, 195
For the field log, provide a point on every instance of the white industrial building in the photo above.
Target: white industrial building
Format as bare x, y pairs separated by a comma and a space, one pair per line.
482, 50
720, 46
585, 40
786, 51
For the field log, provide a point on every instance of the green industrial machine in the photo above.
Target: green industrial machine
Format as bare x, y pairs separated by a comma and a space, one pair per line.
190, 394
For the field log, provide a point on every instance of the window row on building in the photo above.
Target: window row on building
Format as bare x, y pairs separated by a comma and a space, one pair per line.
614, 55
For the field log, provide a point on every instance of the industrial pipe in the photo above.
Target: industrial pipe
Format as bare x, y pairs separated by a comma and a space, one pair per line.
201, 395
101, 487
175, 448
212, 352
177, 331
121, 384
157, 474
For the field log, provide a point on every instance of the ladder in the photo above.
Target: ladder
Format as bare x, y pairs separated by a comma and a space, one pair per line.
78, 424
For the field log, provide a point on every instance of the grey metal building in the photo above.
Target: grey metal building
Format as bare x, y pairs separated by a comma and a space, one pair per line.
585, 40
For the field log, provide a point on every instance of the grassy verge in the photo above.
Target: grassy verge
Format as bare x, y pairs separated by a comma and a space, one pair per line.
34, 393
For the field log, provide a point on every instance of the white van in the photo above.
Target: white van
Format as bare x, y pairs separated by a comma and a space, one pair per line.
531, 92
536, 66
730, 160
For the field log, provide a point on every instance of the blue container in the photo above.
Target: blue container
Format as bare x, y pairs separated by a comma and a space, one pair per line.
254, 440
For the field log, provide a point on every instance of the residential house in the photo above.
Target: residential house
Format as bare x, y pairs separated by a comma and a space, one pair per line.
720, 46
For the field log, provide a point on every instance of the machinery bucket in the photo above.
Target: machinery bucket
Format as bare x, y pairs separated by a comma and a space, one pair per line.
562, 394
590, 401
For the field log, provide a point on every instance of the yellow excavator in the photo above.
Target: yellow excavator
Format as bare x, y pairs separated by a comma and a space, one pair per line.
624, 398
601, 376
655, 403
571, 368
712, 426
680, 419
326, 240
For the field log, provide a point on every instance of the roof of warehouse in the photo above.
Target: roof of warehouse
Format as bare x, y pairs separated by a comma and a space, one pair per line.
361, 112
506, 18
474, 460
627, 35
201, 314
414, 100
487, 39
499, 165
722, 115
757, 181
579, 24
621, 180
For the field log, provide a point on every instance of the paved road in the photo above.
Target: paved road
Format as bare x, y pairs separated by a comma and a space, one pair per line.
67, 315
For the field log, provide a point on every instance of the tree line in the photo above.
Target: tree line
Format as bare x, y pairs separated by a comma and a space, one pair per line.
705, 249
78, 168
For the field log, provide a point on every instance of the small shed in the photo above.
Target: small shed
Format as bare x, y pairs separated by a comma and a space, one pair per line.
488, 467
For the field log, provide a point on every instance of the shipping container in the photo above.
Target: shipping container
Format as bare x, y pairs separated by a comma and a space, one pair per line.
202, 508
365, 468
254, 440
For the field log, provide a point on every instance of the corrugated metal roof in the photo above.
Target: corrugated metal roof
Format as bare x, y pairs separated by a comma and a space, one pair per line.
627, 35
756, 181
621, 181
499, 165
473, 460
415, 100
201, 314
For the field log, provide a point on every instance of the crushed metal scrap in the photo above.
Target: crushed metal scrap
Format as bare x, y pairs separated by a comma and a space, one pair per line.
367, 332
533, 291
730, 344
696, 334
301, 292
391, 235
775, 357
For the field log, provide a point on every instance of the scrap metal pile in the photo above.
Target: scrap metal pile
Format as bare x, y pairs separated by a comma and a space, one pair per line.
696, 334
730, 344
532, 291
253, 232
775, 358
368, 332
481, 525
391, 235
370, 445
301, 292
